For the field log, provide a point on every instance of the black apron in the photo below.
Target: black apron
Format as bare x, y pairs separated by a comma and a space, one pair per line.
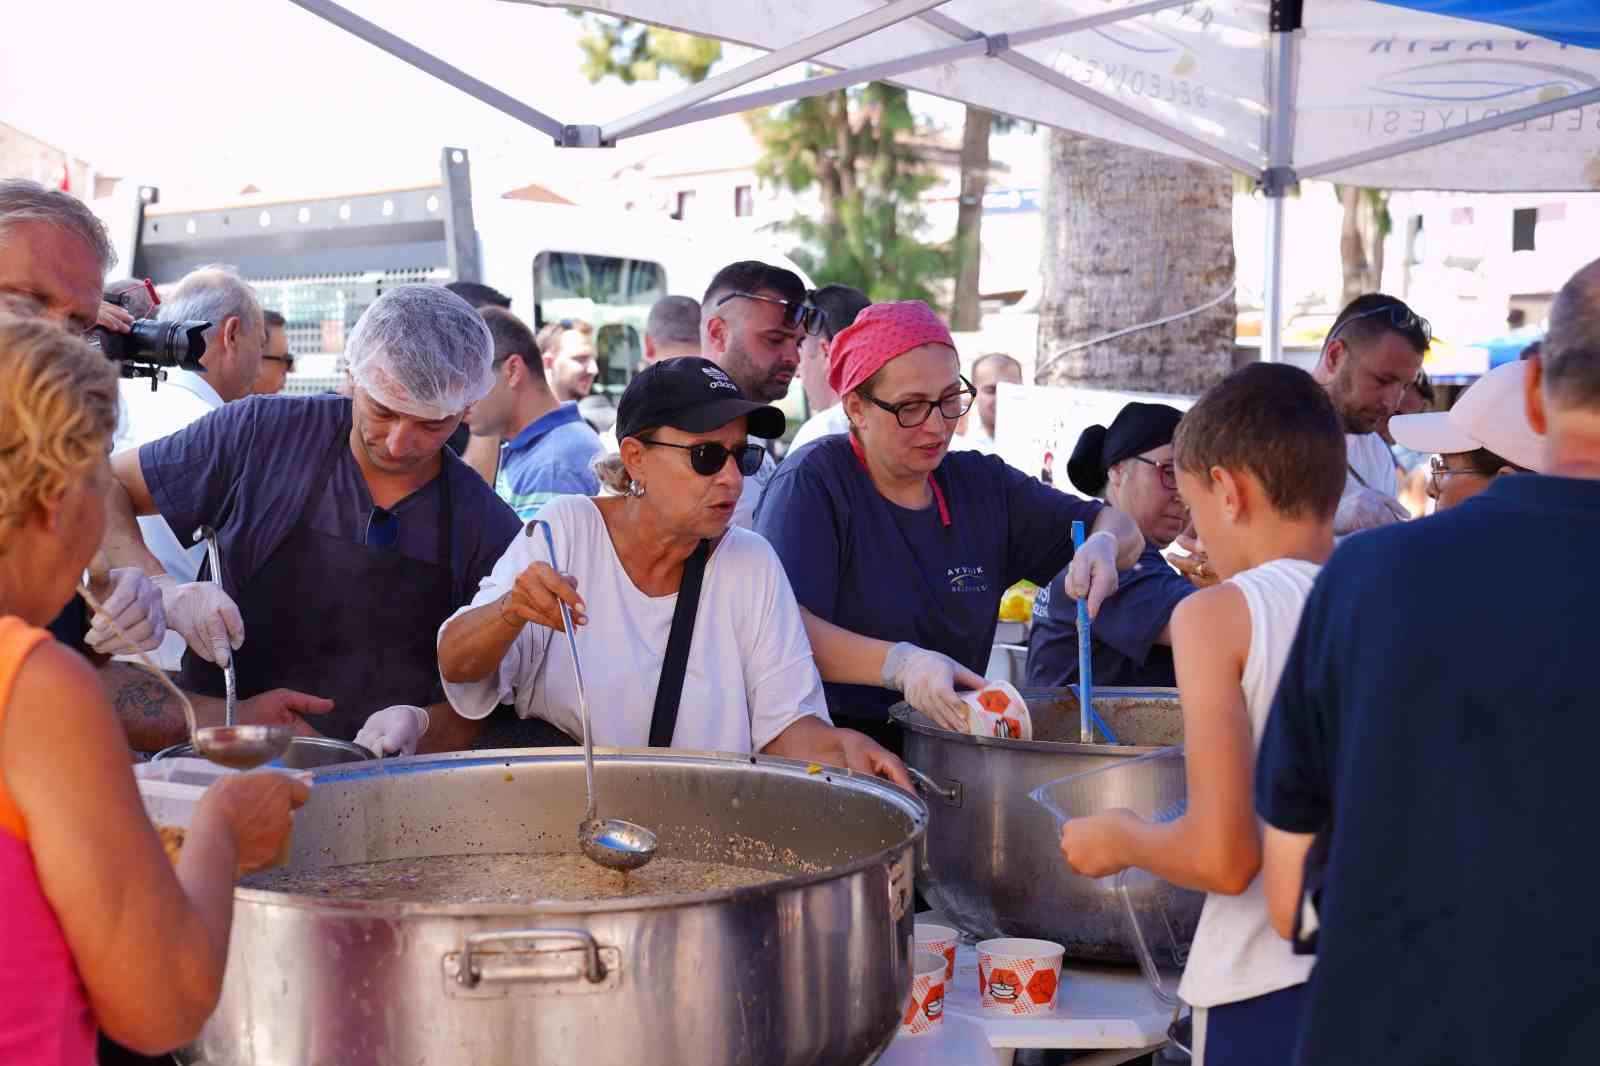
341, 620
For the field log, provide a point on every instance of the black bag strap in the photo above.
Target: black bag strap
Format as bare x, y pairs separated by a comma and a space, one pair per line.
664, 719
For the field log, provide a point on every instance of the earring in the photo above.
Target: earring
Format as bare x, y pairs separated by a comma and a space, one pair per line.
636, 490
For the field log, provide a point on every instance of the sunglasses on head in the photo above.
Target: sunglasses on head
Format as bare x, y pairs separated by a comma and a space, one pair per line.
708, 458
1401, 318
797, 314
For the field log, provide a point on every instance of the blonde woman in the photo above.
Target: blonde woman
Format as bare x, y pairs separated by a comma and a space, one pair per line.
99, 928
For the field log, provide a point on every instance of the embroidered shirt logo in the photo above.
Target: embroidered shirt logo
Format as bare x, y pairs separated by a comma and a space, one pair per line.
967, 579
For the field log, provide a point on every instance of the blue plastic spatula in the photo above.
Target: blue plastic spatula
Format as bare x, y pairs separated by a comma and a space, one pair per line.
1088, 718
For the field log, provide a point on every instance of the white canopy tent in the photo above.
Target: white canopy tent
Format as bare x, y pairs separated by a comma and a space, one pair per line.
1398, 94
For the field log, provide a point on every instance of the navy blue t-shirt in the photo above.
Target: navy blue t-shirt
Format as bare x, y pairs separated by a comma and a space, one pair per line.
1123, 635
248, 469
883, 571
1436, 709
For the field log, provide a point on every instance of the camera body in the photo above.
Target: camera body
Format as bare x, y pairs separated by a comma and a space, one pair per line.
150, 346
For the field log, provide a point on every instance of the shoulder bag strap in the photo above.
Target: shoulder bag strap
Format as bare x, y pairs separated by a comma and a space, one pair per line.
664, 719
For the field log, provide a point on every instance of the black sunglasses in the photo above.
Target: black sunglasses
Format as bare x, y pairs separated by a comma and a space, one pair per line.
1401, 318
707, 459
383, 529
286, 360
912, 413
797, 314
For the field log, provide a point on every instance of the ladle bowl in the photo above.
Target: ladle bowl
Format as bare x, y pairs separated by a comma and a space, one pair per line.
242, 747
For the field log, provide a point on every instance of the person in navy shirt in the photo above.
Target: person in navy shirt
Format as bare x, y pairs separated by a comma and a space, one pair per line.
897, 549
347, 532
548, 446
1129, 464
1436, 744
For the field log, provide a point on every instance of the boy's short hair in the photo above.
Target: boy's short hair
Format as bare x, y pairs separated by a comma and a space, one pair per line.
1275, 421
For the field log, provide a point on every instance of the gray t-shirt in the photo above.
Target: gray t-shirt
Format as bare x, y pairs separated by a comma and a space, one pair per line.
249, 468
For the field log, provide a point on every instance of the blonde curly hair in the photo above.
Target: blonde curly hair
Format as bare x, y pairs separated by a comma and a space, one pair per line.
58, 410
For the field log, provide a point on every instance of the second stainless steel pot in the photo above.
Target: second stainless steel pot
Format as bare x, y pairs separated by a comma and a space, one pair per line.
992, 861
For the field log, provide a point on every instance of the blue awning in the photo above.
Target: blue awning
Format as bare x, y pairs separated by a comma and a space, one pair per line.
1574, 22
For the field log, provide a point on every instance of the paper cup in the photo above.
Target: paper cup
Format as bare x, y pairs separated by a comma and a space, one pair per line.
925, 1011
941, 940
1019, 976
998, 710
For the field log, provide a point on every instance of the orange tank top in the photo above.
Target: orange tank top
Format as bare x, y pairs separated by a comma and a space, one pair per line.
45, 1018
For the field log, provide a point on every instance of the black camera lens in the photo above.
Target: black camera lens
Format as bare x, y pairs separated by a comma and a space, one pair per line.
158, 344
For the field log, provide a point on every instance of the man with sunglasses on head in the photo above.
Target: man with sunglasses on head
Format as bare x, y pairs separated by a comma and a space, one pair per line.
1371, 356
752, 320
347, 532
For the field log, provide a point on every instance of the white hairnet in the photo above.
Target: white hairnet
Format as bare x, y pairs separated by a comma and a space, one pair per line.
422, 350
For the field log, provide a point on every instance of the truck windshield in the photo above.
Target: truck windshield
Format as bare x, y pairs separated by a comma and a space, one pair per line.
612, 293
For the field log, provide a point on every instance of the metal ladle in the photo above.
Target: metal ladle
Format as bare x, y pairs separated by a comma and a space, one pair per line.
243, 747
609, 842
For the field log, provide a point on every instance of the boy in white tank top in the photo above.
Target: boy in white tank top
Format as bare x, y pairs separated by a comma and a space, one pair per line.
1261, 465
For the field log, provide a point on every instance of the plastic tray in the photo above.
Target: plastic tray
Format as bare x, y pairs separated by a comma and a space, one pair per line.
1155, 787
171, 788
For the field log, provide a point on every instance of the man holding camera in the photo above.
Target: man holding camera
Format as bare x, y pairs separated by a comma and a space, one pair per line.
235, 341
54, 254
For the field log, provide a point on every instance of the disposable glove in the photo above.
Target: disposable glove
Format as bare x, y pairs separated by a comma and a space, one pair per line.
928, 681
1093, 571
1366, 509
394, 730
133, 602
204, 615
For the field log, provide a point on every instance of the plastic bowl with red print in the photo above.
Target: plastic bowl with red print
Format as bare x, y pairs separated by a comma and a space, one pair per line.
1017, 975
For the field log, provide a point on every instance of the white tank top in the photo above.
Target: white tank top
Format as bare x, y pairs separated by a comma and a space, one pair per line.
1236, 954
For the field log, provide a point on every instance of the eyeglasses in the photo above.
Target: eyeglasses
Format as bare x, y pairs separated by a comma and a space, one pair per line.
708, 458
1438, 471
797, 314
1401, 318
912, 413
383, 529
1168, 472
286, 360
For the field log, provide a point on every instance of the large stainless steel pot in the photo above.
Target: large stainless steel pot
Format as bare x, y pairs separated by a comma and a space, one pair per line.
992, 861
810, 969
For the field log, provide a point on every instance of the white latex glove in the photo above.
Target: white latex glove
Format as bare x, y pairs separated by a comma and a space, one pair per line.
204, 616
1366, 509
928, 681
133, 602
394, 730
1093, 571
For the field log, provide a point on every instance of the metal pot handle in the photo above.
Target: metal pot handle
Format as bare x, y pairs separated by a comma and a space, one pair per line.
469, 974
951, 795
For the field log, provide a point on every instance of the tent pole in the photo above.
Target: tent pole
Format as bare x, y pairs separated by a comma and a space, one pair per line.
1276, 181
981, 45
805, 48
431, 64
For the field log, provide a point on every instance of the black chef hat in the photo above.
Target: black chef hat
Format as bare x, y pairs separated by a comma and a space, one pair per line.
1138, 428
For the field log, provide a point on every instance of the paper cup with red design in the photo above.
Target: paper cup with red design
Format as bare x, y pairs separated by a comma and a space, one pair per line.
941, 940
998, 710
1019, 976
925, 1012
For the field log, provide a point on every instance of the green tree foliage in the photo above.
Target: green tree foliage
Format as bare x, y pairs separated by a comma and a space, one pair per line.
851, 145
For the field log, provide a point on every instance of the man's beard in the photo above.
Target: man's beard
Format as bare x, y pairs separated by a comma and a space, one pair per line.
754, 384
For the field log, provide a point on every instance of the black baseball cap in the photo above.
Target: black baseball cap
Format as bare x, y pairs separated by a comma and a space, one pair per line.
691, 394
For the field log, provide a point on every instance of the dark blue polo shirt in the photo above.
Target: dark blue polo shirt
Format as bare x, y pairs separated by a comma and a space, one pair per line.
1436, 709
883, 571
1122, 637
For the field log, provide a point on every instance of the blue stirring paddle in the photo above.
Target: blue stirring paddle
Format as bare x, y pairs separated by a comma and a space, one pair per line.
1088, 717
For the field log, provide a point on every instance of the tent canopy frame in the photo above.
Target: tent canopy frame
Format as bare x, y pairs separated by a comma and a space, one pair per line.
700, 101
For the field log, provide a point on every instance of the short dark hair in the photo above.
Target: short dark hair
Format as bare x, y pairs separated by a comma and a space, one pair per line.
751, 275
274, 320
1275, 421
1489, 463
1359, 327
479, 296
1571, 355
840, 305
674, 320
512, 337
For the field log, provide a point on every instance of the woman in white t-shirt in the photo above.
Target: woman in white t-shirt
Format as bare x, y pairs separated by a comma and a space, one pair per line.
749, 683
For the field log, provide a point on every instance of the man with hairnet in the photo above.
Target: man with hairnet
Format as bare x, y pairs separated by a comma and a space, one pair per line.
347, 532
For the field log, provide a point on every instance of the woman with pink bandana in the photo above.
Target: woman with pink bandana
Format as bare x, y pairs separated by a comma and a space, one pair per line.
899, 549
